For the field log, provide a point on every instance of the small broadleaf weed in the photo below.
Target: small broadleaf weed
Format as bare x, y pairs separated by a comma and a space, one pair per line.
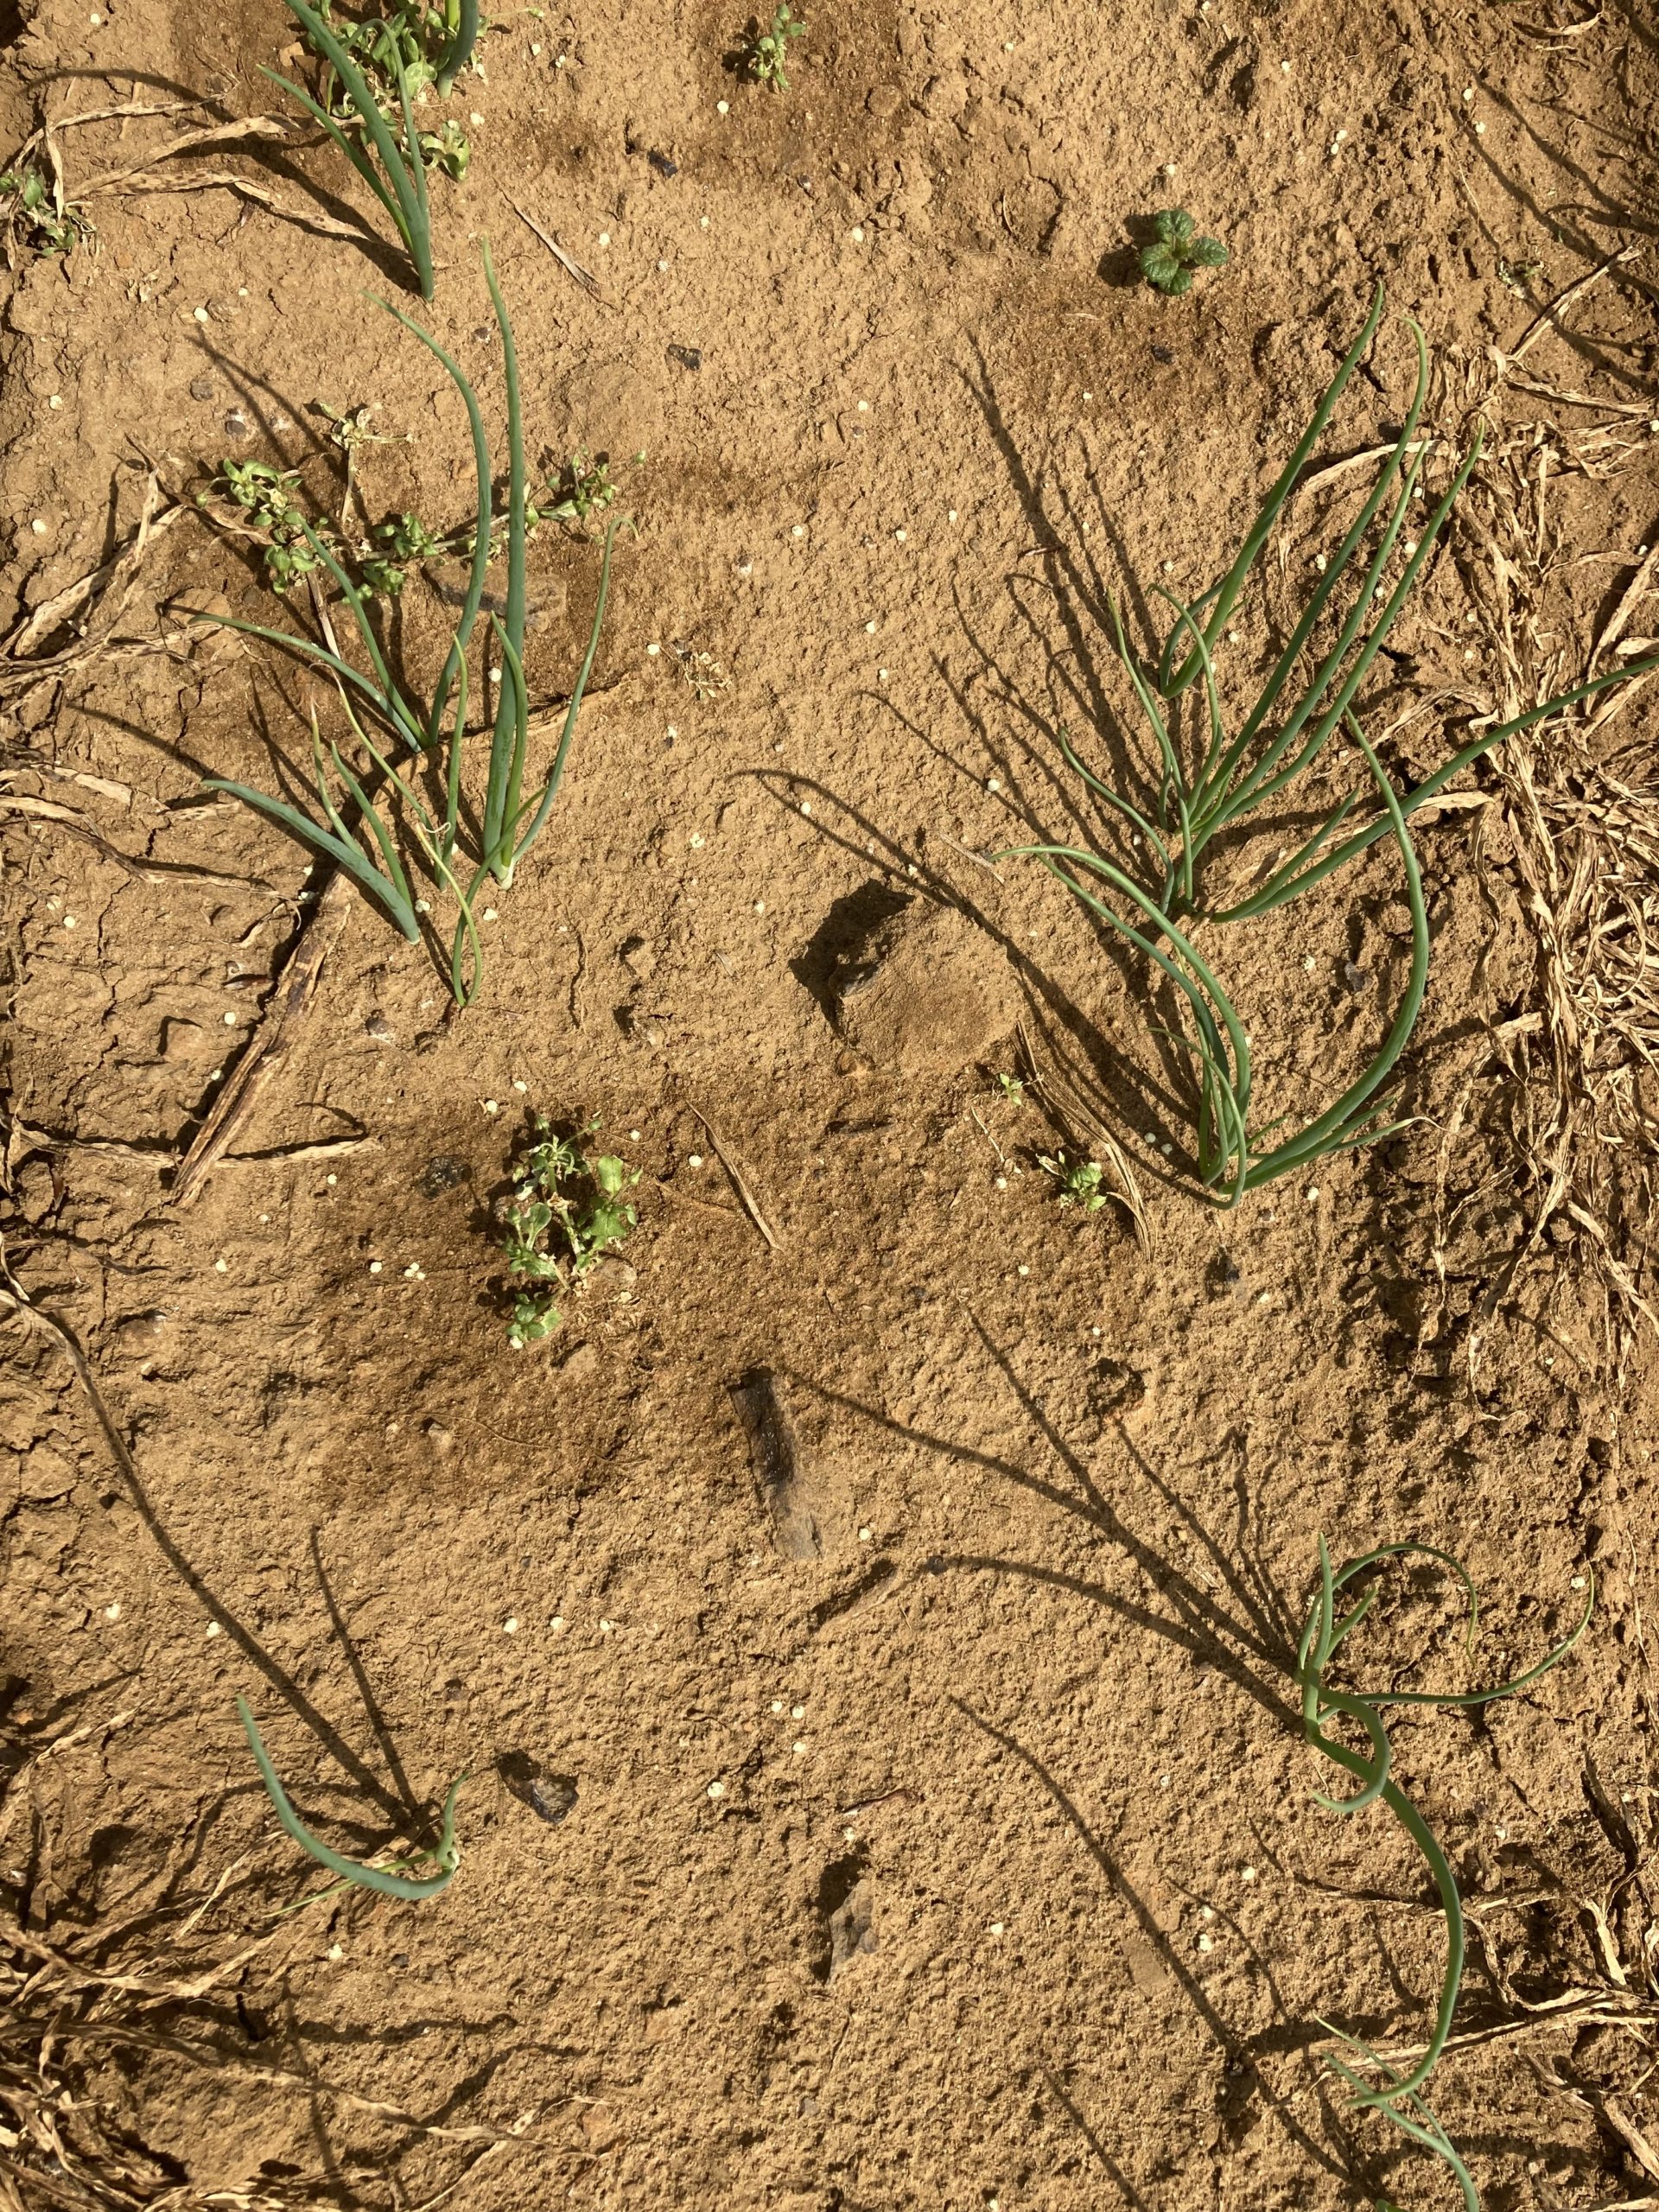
1168, 263
37, 218
768, 50
566, 1212
1078, 1180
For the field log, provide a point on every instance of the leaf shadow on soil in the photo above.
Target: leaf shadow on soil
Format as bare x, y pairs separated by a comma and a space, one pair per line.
392, 263
1242, 1627
398, 1804
1571, 221
901, 874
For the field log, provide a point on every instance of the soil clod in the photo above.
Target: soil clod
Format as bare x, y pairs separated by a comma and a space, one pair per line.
923, 991
785, 1488
847, 1901
442, 1173
552, 1796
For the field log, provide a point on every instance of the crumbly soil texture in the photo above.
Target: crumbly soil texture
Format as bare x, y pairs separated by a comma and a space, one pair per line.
867, 1623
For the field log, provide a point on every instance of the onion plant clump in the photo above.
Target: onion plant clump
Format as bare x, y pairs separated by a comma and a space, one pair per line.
1202, 780
375, 73
413, 753
391, 1881
1397, 2095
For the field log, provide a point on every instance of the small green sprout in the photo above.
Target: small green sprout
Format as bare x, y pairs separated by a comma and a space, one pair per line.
1168, 263
1079, 1180
393, 546
262, 493
38, 217
583, 487
768, 50
580, 1204
391, 1881
1011, 1087
449, 148
1519, 277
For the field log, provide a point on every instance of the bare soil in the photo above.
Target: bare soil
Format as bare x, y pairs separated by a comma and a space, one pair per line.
962, 1854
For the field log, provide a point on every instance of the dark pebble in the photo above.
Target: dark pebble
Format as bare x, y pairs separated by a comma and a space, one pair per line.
551, 1795
689, 357
443, 1174
201, 387
661, 163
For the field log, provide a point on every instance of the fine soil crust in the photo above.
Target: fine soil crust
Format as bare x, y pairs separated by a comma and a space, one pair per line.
868, 1623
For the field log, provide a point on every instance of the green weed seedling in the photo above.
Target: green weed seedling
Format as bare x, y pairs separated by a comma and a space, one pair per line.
583, 489
1010, 1086
1168, 263
1397, 2095
37, 218
388, 1881
566, 1212
264, 495
389, 153
414, 750
1200, 779
1078, 1180
433, 42
394, 548
768, 50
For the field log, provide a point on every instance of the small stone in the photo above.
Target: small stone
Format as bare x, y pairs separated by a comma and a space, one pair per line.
380, 1029
441, 1438
201, 387
944, 98
553, 1796
852, 1933
442, 1173
136, 1332
579, 1365
883, 100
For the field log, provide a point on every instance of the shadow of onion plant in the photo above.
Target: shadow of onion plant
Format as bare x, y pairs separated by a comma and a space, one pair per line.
415, 736
1205, 781
1398, 2096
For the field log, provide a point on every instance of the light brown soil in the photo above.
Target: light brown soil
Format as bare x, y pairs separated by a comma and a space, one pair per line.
1032, 1693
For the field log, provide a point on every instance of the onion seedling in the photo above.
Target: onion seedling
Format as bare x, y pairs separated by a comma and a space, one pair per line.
512, 817
1200, 782
1399, 2096
459, 52
388, 1881
394, 171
